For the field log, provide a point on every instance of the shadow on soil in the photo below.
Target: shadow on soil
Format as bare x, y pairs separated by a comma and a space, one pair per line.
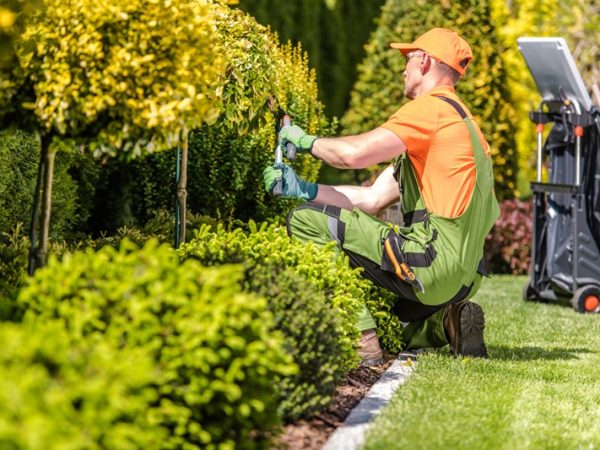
535, 353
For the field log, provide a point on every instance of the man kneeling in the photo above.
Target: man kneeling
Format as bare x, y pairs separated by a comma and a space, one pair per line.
441, 172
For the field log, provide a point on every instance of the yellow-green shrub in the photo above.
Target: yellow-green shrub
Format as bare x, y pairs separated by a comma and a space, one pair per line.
57, 393
215, 353
127, 75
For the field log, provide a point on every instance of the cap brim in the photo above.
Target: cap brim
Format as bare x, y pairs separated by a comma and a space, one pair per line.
404, 48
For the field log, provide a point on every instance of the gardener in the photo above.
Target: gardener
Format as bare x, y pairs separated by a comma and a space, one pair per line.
441, 173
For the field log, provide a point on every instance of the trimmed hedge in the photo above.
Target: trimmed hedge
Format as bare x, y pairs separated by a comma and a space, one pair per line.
59, 393
311, 328
345, 289
214, 349
269, 245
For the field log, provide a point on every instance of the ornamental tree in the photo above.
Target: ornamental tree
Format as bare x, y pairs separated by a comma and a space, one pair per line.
121, 78
227, 157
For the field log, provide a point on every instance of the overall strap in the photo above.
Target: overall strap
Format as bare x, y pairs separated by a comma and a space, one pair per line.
478, 152
455, 104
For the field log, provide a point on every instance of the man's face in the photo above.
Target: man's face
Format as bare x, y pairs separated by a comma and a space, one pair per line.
412, 73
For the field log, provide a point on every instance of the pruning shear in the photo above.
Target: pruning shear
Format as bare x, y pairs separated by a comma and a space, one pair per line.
282, 120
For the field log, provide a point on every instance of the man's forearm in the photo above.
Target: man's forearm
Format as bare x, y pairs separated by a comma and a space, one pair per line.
360, 151
337, 152
348, 197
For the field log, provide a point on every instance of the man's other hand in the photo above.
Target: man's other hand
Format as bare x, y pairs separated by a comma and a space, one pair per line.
293, 186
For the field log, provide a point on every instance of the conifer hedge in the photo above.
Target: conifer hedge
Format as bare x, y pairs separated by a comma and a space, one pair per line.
19, 158
379, 89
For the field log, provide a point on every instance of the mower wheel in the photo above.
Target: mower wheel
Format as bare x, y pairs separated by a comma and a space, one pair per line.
587, 299
529, 294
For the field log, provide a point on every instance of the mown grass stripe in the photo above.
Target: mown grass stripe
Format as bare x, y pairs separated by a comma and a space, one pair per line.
538, 390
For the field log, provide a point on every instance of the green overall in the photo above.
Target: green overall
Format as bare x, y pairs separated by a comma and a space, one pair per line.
443, 254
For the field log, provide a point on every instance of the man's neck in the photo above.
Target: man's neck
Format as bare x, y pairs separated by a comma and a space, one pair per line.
431, 83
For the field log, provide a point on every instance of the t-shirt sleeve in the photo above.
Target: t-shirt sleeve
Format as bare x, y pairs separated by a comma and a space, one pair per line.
415, 123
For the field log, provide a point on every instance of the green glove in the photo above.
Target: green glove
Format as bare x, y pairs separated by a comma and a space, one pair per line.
297, 136
293, 186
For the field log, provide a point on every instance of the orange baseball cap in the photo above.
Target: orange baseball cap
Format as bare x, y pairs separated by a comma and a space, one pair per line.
444, 45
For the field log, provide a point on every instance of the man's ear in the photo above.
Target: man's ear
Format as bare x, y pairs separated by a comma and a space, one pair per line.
425, 65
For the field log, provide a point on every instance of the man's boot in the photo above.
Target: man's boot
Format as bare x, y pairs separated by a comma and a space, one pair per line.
369, 349
464, 324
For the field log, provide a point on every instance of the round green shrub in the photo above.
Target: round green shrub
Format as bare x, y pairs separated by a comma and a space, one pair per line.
214, 346
58, 393
310, 326
322, 266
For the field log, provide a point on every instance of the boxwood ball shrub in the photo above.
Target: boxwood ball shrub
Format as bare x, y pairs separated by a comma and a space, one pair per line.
213, 346
312, 337
58, 393
345, 288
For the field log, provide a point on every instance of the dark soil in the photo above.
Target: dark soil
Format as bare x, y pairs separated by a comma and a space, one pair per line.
313, 433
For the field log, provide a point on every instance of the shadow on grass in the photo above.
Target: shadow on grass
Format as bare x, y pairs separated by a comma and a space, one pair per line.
535, 353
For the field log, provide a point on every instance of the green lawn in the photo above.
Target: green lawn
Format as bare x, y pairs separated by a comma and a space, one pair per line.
539, 389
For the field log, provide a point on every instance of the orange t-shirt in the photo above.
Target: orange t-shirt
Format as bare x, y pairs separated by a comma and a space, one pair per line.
439, 148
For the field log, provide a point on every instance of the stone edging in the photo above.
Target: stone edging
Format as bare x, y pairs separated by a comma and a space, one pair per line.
351, 435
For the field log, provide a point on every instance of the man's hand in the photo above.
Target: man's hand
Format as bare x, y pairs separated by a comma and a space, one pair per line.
297, 136
293, 186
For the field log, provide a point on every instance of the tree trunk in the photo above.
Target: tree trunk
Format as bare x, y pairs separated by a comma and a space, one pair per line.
46, 206
182, 191
34, 262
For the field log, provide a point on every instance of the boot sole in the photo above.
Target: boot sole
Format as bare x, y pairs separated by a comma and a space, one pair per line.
470, 333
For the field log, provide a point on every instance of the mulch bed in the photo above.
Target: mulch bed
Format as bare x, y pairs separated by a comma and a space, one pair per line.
314, 432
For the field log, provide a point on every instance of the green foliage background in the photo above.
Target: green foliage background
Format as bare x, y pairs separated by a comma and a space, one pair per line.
578, 21
19, 158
